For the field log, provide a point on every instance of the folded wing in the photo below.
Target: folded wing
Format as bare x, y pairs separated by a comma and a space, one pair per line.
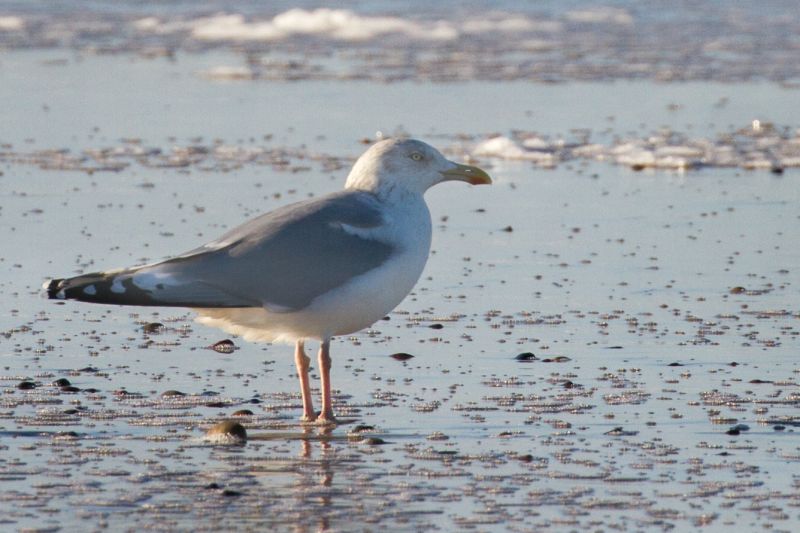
281, 260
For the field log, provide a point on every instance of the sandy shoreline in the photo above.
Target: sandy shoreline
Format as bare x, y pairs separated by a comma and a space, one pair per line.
664, 301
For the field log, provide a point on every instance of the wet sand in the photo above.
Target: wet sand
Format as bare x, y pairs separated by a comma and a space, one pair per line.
659, 306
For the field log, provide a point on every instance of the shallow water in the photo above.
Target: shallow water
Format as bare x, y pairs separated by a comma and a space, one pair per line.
665, 303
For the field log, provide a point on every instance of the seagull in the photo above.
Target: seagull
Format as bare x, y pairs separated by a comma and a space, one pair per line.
314, 269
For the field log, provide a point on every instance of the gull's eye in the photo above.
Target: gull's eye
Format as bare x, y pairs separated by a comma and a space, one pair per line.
416, 156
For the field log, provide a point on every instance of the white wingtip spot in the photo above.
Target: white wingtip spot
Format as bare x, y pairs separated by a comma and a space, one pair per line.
61, 295
117, 287
91, 290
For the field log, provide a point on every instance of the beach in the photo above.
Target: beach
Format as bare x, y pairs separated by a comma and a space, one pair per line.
605, 338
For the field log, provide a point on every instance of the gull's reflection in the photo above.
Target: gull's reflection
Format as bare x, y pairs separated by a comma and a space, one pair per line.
316, 471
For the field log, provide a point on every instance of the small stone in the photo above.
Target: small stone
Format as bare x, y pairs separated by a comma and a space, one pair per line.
70, 389
230, 493
26, 385
738, 290
675, 364
557, 359
242, 412
363, 427
374, 441
172, 393
401, 356
526, 357
619, 431
436, 326
225, 346
62, 382
228, 429
153, 327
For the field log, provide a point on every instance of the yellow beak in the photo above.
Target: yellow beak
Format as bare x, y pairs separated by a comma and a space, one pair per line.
468, 173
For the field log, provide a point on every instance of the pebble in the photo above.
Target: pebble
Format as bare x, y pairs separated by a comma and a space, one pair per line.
228, 430
619, 431
225, 346
153, 327
556, 359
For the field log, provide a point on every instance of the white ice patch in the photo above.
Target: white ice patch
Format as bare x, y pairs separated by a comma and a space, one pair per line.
599, 15
506, 148
147, 24
11, 23
91, 290
227, 73
339, 24
512, 24
637, 154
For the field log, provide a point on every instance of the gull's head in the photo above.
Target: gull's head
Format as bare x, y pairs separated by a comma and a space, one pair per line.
408, 166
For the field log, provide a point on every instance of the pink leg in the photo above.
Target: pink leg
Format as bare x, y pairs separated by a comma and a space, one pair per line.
303, 361
326, 416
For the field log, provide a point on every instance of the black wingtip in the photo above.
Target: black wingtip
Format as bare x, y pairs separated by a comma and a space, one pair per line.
53, 287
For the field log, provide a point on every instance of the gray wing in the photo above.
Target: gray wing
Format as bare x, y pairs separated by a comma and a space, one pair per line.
283, 260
